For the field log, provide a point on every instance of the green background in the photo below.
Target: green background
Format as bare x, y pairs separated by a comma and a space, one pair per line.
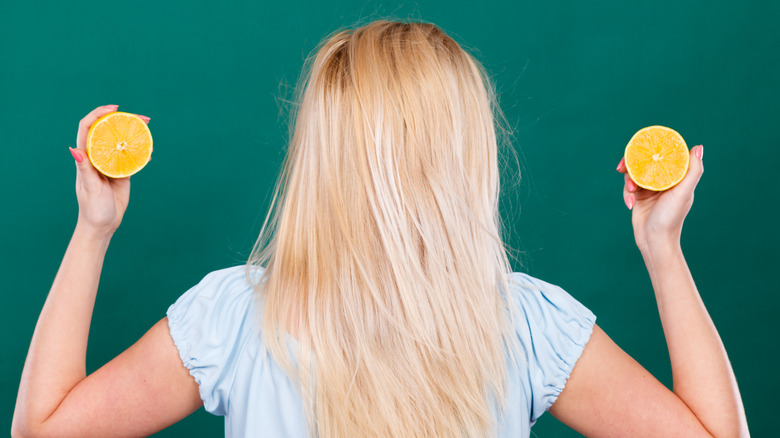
576, 80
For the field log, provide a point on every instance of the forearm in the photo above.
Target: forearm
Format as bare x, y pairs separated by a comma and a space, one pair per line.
701, 372
56, 360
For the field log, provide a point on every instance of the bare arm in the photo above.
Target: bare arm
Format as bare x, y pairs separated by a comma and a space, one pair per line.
610, 394
142, 390
701, 371
56, 360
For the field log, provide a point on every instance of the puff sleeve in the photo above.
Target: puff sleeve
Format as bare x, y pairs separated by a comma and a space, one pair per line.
553, 329
210, 324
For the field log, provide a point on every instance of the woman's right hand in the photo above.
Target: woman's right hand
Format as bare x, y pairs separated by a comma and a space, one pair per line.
102, 200
657, 217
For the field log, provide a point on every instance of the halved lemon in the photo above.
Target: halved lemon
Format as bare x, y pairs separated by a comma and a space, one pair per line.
119, 144
657, 158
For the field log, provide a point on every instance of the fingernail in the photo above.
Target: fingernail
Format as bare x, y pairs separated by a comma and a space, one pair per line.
700, 151
618, 166
630, 202
144, 117
75, 154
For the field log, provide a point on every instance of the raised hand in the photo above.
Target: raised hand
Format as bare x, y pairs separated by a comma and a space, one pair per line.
102, 200
657, 217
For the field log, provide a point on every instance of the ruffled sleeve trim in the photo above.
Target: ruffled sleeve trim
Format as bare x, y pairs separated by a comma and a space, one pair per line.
208, 324
553, 329
179, 336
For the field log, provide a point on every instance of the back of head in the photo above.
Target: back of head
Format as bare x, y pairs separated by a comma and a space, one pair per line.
383, 250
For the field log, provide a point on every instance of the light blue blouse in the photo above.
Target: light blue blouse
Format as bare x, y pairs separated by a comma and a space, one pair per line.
214, 326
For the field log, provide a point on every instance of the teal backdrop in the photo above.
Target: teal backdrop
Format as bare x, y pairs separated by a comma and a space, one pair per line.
576, 80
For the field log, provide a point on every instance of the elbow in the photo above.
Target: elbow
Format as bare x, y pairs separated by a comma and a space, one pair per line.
733, 430
24, 429
17, 431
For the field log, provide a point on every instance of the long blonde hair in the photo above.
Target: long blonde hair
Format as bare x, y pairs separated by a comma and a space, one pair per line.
382, 250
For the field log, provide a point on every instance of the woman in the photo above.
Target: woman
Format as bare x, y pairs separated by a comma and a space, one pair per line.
381, 267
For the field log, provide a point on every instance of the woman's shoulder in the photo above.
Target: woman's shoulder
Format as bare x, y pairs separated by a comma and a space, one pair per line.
552, 328
221, 287
524, 282
546, 308
534, 294
233, 279
211, 324
221, 304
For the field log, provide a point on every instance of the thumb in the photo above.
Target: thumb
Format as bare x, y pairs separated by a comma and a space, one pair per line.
85, 168
695, 169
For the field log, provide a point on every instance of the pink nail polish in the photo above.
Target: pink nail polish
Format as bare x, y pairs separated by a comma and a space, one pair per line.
700, 152
75, 154
630, 202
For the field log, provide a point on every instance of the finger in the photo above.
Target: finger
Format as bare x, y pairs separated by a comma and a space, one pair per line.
628, 198
621, 167
695, 170
144, 118
90, 176
630, 184
88, 120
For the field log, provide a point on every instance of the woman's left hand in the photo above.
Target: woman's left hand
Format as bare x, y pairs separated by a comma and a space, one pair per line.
102, 200
657, 217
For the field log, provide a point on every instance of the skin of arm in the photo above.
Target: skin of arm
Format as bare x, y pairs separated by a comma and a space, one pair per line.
144, 389
608, 393
701, 371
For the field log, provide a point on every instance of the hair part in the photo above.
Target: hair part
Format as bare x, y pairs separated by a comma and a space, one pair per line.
383, 248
